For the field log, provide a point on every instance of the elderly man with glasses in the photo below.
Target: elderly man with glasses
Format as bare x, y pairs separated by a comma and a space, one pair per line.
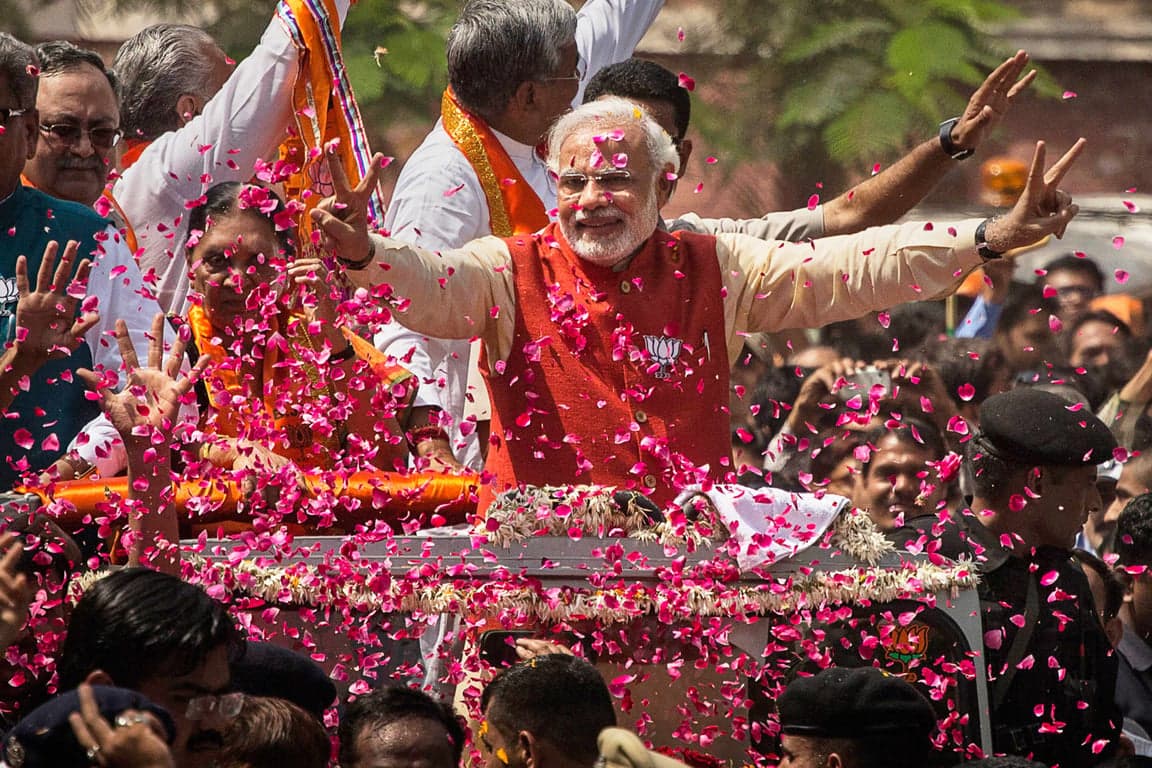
79, 124
48, 328
607, 340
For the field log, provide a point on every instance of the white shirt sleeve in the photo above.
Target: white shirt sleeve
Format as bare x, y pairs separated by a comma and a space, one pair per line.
118, 286
608, 31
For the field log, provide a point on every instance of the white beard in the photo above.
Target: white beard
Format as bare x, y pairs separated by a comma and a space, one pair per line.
608, 251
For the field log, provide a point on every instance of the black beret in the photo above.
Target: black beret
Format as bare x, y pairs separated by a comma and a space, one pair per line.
269, 670
44, 739
1031, 426
855, 703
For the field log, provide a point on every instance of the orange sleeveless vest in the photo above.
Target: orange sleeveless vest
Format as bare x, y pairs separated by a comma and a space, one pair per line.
614, 378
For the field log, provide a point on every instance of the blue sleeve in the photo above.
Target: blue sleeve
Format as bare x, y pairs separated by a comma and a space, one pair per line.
981, 320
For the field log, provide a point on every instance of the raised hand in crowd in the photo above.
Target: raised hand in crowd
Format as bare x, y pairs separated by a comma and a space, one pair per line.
991, 101
1042, 210
919, 389
46, 323
15, 590
819, 391
886, 196
145, 413
135, 740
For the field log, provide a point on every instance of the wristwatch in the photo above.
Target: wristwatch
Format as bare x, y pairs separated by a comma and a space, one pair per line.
982, 248
948, 145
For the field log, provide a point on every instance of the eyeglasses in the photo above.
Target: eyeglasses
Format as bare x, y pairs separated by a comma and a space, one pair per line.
1080, 291
571, 183
226, 705
70, 133
7, 113
577, 75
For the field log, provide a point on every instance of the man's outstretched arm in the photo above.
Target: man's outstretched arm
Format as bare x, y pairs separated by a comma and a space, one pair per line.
885, 197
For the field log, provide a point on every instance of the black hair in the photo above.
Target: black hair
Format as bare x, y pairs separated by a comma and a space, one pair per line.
224, 199
915, 326
960, 361
640, 79
992, 477
1100, 316
1022, 301
776, 389
1003, 761
1133, 543
1070, 262
392, 704
137, 624
40, 536
559, 699
851, 339
58, 56
921, 434
833, 446
1113, 585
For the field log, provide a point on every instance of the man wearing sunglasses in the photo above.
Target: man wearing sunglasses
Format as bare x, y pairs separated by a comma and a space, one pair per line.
79, 124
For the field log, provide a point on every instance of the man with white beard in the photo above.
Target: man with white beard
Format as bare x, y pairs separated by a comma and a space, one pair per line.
607, 340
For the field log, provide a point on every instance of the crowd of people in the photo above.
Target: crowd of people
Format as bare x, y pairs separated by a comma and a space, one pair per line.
202, 294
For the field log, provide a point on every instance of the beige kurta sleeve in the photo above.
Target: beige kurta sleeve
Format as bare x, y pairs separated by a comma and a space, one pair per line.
775, 286
457, 294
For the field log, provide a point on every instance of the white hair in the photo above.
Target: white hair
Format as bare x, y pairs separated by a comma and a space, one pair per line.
607, 114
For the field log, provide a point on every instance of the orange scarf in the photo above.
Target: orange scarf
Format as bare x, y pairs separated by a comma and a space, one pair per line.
325, 111
133, 148
514, 208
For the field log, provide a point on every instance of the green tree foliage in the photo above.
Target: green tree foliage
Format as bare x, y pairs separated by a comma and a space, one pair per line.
836, 86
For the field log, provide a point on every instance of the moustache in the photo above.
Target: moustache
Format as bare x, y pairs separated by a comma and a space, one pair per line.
601, 214
71, 163
203, 741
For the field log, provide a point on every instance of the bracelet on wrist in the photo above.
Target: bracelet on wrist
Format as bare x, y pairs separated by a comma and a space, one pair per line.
356, 266
982, 248
949, 146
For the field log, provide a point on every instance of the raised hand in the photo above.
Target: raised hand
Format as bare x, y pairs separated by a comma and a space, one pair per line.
343, 218
145, 411
135, 741
15, 591
1042, 210
308, 275
46, 322
991, 101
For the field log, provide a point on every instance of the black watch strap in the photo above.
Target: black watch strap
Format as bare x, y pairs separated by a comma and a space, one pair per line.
982, 248
948, 145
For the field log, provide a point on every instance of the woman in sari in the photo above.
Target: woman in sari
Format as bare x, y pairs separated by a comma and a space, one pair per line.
286, 383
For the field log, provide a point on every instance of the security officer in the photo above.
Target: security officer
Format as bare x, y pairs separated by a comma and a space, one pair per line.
854, 718
1051, 670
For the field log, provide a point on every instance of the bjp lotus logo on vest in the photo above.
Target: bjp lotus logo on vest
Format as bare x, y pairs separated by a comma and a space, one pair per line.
663, 350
